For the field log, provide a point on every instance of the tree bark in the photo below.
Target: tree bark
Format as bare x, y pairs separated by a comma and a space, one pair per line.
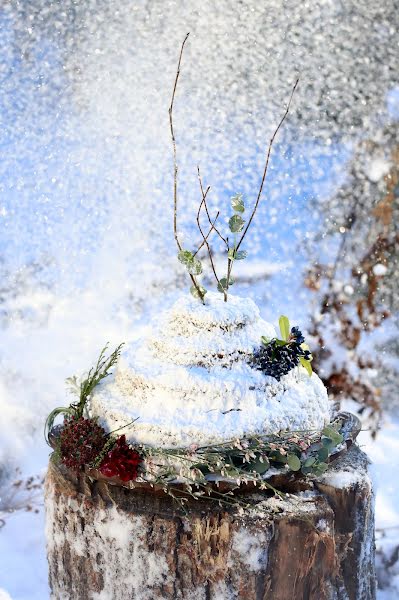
109, 542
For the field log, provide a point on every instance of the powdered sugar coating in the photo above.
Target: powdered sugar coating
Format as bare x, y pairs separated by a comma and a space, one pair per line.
189, 381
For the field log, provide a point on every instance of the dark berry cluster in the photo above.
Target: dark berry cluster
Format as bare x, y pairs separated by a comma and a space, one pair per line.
277, 358
80, 441
297, 336
121, 461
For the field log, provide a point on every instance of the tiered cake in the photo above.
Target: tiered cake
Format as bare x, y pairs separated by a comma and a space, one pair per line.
190, 382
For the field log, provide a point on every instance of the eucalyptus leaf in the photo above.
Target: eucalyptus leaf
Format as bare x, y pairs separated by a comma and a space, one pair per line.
293, 462
284, 327
276, 456
260, 467
309, 461
329, 431
237, 255
194, 267
192, 264
185, 257
327, 443
194, 291
236, 223
222, 285
307, 470
333, 435
237, 203
319, 468
323, 454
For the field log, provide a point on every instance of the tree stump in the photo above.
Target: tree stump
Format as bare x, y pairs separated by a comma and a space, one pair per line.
107, 542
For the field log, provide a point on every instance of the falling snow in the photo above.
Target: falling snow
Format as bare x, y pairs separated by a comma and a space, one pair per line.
86, 245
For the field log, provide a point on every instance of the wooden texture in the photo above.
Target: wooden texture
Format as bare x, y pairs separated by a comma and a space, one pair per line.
109, 542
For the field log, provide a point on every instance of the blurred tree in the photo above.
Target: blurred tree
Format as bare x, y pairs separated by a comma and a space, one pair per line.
358, 291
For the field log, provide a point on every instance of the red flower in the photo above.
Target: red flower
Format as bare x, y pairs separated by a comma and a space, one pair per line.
81, 440
121, 461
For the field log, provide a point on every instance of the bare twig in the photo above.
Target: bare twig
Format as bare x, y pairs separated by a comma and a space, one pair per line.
205, 238
266, 166
212, 224
175, 169
230, 261
224, 240
229, 268
174, 145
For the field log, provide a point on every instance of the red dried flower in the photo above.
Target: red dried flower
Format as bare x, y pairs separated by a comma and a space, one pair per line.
81, 440
121, 461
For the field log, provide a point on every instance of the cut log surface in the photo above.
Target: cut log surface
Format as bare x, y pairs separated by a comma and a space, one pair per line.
107, 542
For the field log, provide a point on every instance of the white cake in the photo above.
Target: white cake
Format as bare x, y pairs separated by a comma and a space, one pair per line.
189, 381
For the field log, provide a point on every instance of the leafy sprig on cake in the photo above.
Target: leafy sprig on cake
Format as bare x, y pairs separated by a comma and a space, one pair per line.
238, 226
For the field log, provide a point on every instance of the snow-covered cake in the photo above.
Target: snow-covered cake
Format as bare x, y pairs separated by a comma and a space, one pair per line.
190, 382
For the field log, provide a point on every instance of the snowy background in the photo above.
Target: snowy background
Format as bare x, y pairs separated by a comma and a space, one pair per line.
86, 248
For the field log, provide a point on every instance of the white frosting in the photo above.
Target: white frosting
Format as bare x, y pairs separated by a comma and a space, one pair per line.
189, 381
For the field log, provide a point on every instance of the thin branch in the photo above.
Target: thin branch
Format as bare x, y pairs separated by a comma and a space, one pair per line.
230, 261
205, 238
224, 240
266, 166
212, 227
212, 224
229, 268
172, 133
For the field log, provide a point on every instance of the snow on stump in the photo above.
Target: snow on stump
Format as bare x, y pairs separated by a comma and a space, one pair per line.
109, 542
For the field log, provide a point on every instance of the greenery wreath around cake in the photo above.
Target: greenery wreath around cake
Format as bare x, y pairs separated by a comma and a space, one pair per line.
196, 472
218, 469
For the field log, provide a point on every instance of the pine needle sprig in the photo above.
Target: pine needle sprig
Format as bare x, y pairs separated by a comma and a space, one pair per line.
83, 388
93, 378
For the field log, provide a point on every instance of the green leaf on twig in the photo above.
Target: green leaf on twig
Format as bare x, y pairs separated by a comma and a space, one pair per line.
198, 292
222, 285
185, 257
236, 223
323, 454
332, 434
293, 462
260, 466
238, 203
237, 255
195, 268
319, 468
192, 264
